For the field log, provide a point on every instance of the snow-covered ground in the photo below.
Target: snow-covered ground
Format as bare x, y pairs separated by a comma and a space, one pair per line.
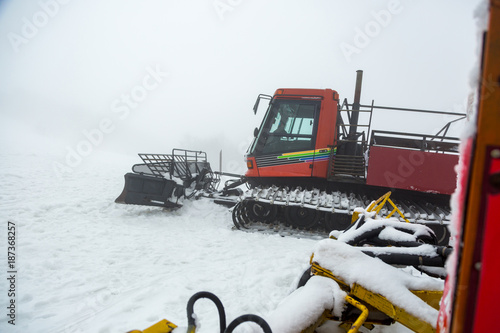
86, 264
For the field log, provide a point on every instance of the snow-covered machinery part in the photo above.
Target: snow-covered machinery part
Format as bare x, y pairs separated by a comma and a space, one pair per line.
165, 326
389, 232
165, 180
376, 272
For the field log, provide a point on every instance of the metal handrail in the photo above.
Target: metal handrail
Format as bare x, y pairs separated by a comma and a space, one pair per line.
414, 110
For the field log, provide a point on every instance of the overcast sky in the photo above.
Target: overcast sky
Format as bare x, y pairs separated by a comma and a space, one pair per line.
154, 75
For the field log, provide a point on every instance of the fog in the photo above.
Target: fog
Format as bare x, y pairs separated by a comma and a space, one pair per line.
147, 76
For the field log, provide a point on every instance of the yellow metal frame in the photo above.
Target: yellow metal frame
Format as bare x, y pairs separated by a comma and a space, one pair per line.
360, 297
362, 317
377, 206
163, 326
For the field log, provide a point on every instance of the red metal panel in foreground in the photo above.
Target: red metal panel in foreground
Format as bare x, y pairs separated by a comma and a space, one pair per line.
412, 170
476, 292
488, 287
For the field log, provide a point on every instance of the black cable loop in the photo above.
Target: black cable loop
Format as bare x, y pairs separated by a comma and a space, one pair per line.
249, 318
213, 298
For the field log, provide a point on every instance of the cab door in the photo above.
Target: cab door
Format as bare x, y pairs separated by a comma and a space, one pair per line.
285, 143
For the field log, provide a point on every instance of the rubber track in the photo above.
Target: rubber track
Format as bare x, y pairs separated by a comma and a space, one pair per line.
437, 218
345, 203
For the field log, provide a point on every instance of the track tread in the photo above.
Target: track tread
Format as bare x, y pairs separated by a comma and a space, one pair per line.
327, 206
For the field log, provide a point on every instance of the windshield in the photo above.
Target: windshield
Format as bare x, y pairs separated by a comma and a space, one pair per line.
289, 126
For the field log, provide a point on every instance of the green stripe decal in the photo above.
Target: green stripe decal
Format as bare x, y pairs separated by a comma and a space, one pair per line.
293, 156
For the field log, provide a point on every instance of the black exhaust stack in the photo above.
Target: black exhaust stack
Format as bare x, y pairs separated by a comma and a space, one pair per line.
352, 137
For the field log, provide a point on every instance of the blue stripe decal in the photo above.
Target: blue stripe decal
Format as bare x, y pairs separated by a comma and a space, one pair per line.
309, 159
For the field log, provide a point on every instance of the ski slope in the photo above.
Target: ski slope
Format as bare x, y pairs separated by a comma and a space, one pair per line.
86, 264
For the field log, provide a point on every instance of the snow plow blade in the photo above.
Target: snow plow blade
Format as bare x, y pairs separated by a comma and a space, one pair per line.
149, 191
164, 180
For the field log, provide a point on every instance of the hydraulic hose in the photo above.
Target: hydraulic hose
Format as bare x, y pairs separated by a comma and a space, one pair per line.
218, 304
249, 318
412, 259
